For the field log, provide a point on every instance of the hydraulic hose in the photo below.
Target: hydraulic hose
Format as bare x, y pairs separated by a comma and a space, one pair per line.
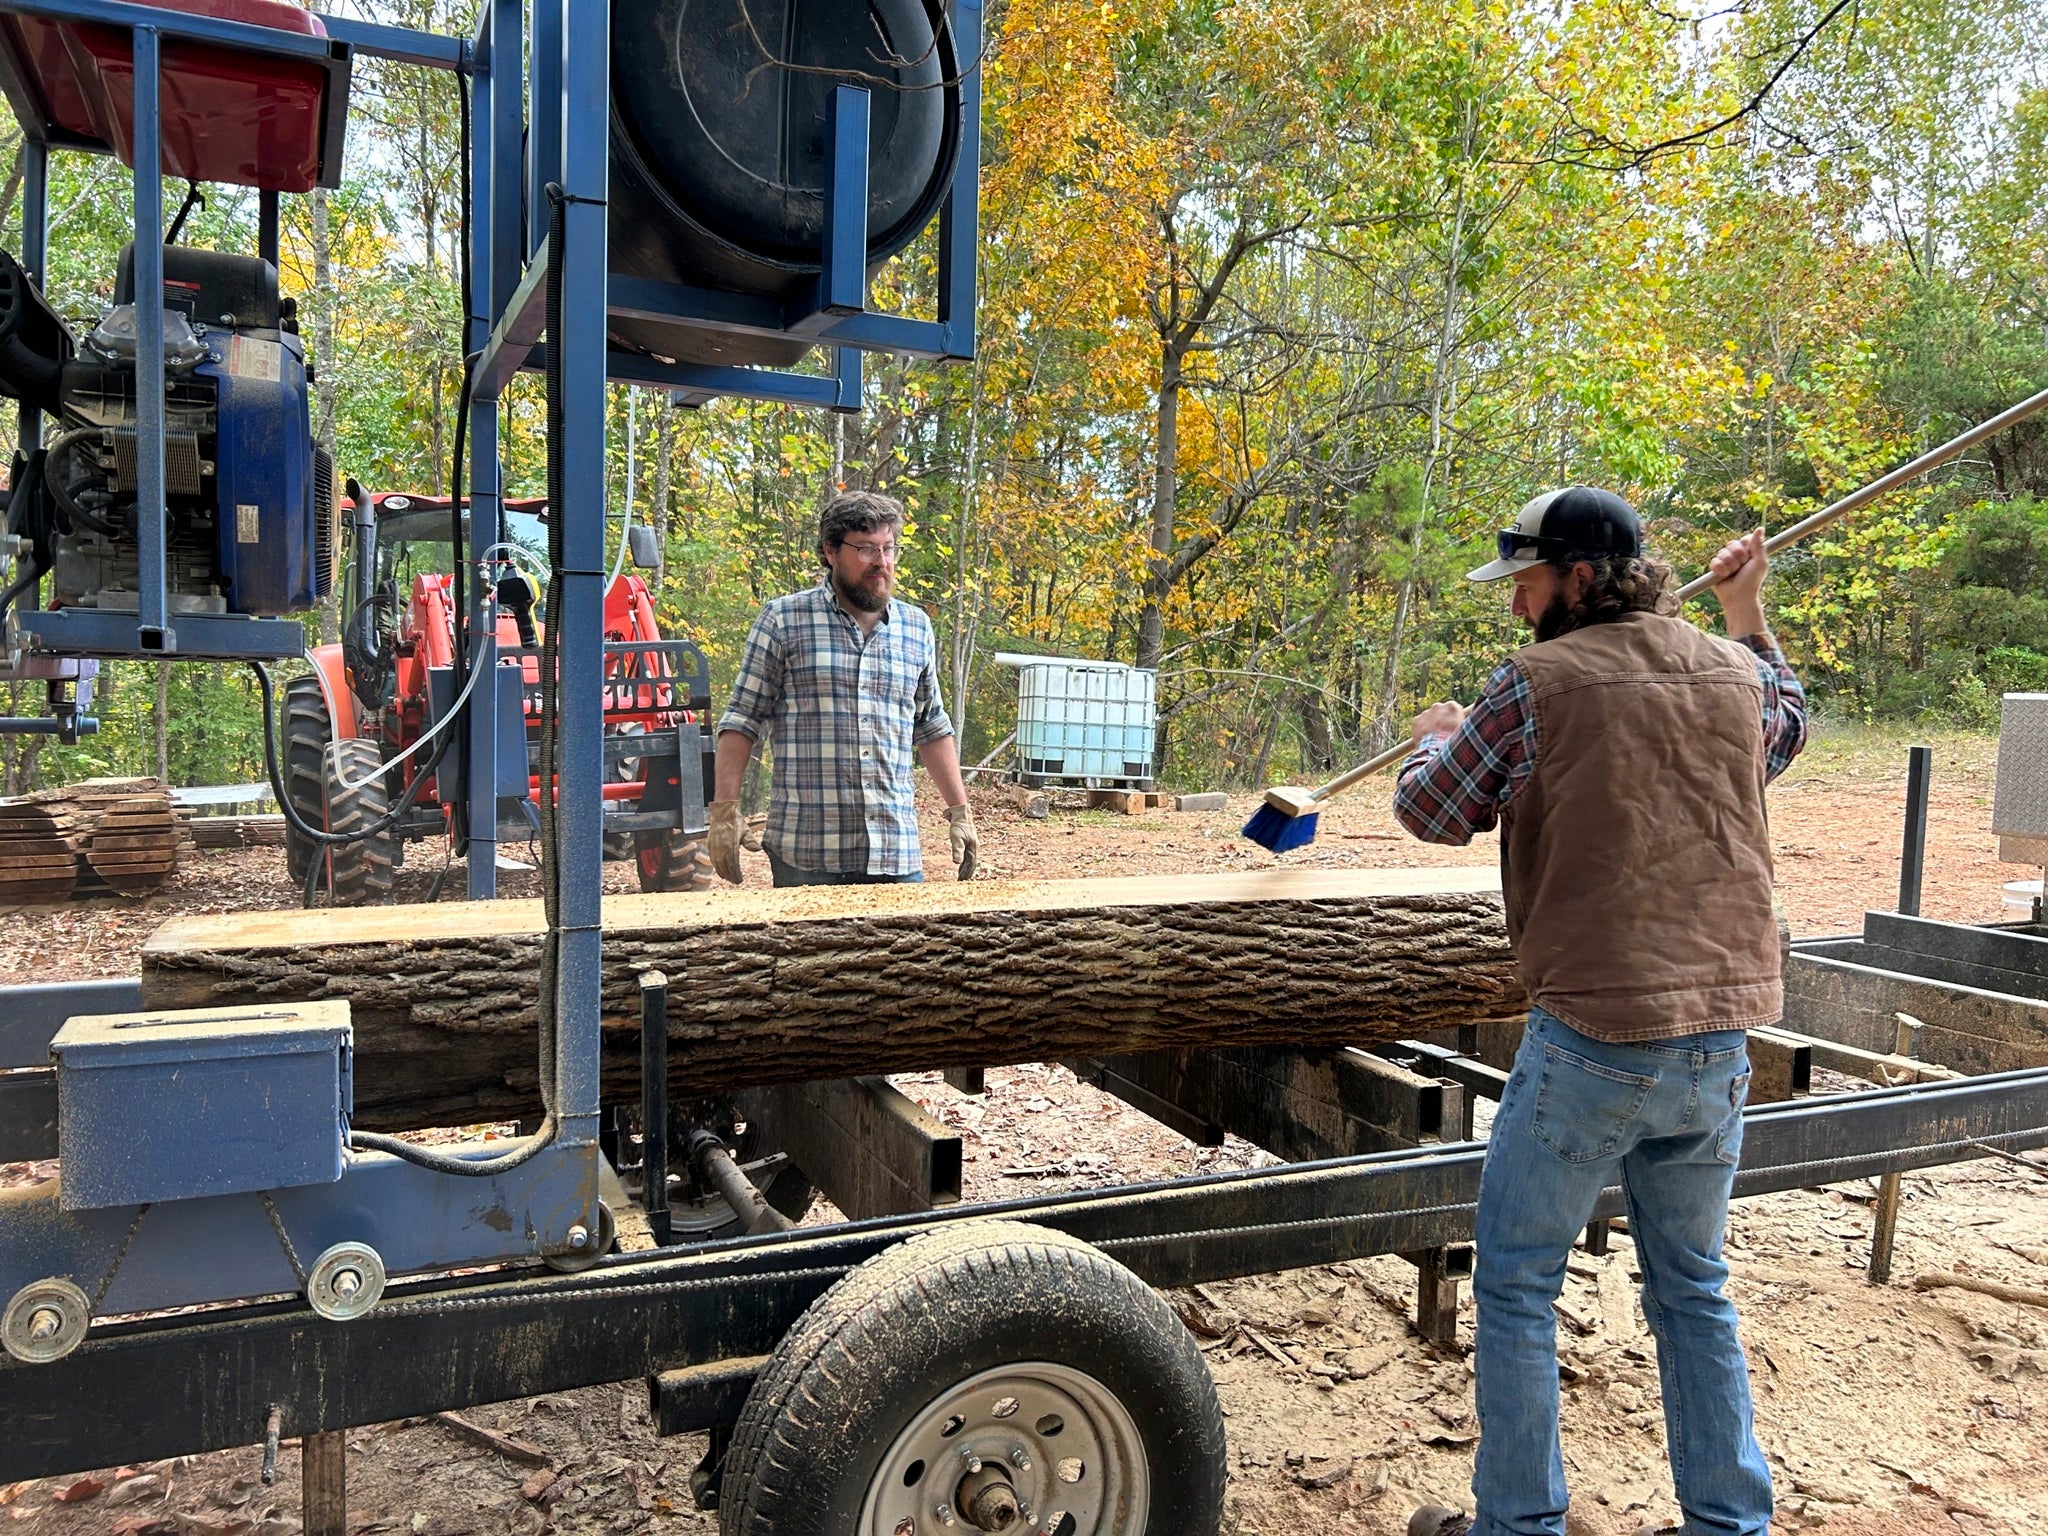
461, 1167
550, 652
440, 1162
292, 818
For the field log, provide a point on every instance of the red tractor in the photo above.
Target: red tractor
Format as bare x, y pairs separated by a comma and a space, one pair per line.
391, 681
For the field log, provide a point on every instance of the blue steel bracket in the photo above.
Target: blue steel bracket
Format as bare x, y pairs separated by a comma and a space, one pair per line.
192, 637
711, 309
694, 384
31, 1015
225, 1248
843, 262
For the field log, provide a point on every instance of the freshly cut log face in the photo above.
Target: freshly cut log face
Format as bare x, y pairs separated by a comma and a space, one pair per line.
826, 982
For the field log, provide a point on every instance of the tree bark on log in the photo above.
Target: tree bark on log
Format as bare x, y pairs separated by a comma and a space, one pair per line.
826, 982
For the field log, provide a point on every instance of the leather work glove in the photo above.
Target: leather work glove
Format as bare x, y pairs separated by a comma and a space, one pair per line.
724, 840
965, 841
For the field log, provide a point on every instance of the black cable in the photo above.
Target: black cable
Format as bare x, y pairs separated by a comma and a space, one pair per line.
462, 1167
550, 652
459, 590
459, 594
291, 815
193, 197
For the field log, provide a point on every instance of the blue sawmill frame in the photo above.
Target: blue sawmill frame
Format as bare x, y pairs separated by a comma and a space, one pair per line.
559, 109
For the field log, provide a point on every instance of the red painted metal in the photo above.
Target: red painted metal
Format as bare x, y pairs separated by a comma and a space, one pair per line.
228, 115
637, 691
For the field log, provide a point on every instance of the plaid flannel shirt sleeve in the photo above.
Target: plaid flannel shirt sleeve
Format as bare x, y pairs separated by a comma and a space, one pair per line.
1454, 784
1784, 705
757, 687
929, 720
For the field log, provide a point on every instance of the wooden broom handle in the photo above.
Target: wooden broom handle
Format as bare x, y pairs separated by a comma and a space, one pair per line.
1913, 470
1364, 770
1806, 527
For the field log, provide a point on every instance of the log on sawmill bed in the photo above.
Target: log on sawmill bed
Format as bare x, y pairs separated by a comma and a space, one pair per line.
794, 985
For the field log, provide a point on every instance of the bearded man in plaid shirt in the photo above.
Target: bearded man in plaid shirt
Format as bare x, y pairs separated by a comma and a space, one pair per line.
843, 682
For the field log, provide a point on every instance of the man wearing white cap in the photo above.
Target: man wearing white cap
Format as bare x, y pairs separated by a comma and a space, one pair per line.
1624, 756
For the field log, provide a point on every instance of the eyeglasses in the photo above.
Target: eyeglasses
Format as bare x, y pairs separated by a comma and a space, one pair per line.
874, 554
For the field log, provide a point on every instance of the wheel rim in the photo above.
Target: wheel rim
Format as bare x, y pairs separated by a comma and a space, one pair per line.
1065, 1446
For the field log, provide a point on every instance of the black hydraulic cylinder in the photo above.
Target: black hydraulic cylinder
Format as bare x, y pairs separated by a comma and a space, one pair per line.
756, 1215
654, 1103
1913, 856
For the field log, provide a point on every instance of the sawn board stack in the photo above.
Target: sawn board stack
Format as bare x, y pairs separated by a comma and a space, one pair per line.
88, 839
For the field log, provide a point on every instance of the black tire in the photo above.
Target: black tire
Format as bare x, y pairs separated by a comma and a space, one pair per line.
306, 733
362, 870
892, 1343
670, 860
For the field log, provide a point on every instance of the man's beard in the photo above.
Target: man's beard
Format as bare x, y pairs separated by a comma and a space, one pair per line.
1559, 617
870, 596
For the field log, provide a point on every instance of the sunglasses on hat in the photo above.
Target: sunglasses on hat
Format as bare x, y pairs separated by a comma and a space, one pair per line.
1511, 542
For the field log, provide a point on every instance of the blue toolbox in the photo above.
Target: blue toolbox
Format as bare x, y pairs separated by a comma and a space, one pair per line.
204, 1101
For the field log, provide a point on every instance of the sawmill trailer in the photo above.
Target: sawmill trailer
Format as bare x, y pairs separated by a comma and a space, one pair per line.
226, 1258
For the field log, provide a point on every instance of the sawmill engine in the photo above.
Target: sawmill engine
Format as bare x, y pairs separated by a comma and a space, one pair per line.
249, 505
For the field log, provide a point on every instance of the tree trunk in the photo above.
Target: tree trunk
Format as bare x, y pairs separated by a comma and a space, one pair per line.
160, 722
789, 986
1165, 494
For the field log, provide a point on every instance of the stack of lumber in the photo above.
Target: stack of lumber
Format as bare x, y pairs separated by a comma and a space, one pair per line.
132, 842
38, 850
828, 982
235, 831
88, 839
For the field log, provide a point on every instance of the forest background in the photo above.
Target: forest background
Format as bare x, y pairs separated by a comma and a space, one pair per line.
1286, 305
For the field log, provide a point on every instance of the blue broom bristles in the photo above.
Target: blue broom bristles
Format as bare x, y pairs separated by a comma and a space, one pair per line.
1277, 830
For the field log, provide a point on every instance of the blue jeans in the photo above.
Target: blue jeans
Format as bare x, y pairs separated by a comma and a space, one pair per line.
789, 874
1664, 1118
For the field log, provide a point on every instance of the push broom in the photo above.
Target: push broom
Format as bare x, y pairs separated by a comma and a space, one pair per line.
1287, 818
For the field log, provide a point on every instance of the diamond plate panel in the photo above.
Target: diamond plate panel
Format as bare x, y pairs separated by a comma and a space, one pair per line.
2020, 807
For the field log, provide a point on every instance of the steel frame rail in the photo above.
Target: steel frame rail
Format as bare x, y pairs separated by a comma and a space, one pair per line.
176, 1385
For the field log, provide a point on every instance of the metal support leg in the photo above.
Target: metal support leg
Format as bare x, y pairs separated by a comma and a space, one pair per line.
153, 632
323, 1480
1884, 1219
1913, 857
266, 232
35, 226
1597, 1233
1438, 1273
654, 1104
486, 523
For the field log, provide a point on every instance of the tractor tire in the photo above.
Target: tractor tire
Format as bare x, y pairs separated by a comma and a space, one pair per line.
361, 871
306, 733
1003, 1377
671, 860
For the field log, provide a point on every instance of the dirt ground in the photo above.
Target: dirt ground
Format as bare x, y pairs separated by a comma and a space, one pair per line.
1884, 1410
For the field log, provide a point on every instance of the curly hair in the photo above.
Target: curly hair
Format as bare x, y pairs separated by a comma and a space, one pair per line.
856, 512
1620, 585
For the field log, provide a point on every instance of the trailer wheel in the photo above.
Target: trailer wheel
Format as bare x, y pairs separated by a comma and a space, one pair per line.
989, 1376
671, 860
306, 729
362, 870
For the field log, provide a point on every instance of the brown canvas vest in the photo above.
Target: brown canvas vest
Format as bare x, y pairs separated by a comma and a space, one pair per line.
1635, 862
